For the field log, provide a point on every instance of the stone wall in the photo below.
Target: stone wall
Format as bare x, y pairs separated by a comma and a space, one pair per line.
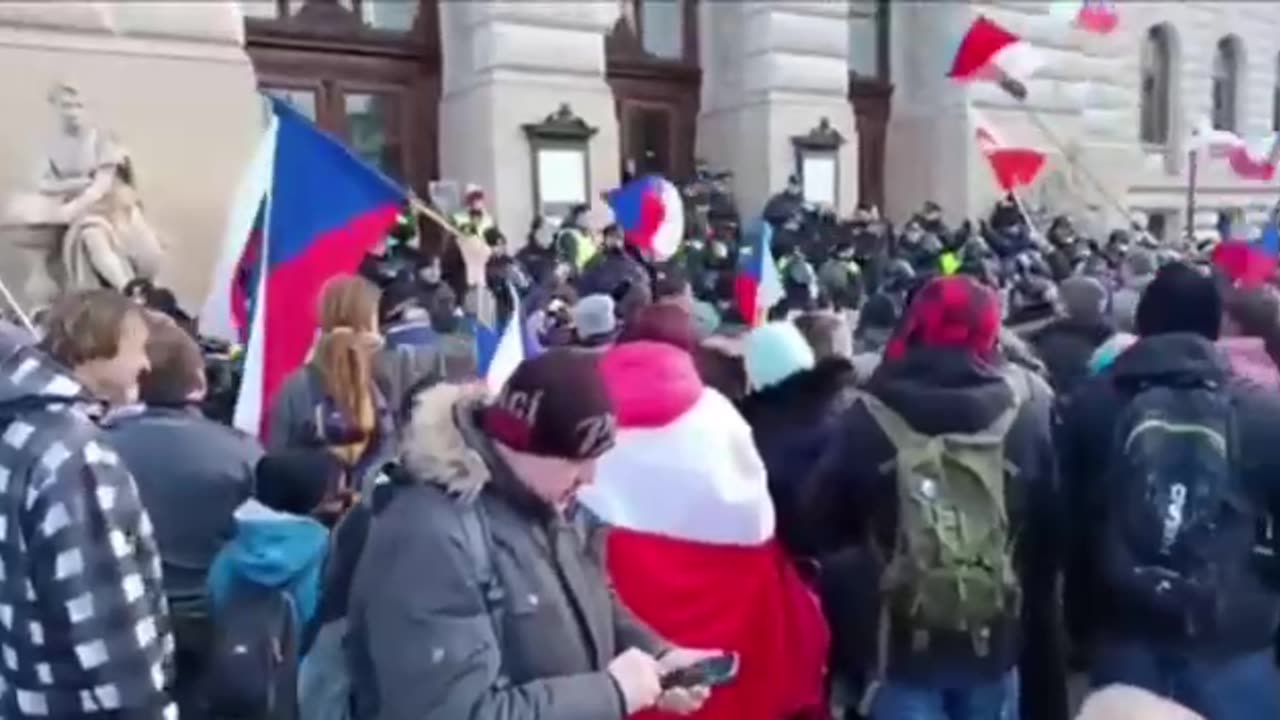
170, 79
511, 63
1087, 98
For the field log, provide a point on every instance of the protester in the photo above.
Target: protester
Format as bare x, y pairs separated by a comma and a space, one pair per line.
942, 421
1163, 587
689, 536
1251, 335
278, 545
516, 618
595, 323
1136, 272
876, 322
82, 571
215, 475
827, 333
663, 322
791, 408
1066, 344
334, 401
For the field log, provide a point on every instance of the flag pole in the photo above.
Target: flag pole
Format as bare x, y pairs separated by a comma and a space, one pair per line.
1192, 180
1057, 142
12, 302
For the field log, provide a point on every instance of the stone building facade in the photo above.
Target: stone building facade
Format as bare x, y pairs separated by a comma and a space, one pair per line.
431, 89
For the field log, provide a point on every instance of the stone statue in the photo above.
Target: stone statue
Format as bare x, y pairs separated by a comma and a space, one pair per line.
83, 223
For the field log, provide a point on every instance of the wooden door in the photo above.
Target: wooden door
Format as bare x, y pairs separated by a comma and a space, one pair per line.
657, 86
871, 104
378, 91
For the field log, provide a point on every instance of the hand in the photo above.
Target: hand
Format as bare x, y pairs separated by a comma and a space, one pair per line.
637, 676
683, 701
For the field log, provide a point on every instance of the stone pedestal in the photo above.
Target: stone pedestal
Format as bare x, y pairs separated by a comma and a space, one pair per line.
773, 71
171, 80
511, 63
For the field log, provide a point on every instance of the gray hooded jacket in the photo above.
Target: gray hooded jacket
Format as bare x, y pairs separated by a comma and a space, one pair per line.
433, 637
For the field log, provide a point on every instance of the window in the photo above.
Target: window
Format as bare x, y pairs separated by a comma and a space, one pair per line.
660, 24
1226, 77
1156, 86
1275, 98
868, 38
392, 15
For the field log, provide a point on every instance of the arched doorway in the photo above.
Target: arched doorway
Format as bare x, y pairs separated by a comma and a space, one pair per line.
368, 71
653, 69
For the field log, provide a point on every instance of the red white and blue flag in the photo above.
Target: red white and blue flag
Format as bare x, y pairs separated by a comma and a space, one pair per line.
757, 285
651, 214
307, 210
1251, 264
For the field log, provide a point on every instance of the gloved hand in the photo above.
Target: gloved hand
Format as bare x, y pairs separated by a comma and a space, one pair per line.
638, 678
683, 701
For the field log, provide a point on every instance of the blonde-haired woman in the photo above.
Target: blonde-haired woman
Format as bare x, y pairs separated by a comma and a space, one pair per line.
334, 401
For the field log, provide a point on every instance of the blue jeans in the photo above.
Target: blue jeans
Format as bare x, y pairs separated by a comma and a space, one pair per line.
1241, 688
994, 701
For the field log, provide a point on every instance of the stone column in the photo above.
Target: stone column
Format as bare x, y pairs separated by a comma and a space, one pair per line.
511, 63
772, 71
171, 81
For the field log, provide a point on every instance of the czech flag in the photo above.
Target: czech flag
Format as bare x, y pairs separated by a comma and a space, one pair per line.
690, 546
1099, 17
501, 347
1014, 167
651, 214
1251, 264
988, 52
306, 210
757, 286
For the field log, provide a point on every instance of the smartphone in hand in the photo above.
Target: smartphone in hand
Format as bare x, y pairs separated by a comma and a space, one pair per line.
712, 672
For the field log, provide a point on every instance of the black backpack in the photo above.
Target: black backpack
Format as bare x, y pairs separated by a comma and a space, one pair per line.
252, 671
1180, 529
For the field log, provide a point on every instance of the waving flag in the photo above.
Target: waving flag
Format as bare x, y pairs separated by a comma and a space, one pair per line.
1100, 17
1251, 264
691, 549
317, 210
757, 286
989, 52
501, 347
1248, 160
1014, 167
651, 214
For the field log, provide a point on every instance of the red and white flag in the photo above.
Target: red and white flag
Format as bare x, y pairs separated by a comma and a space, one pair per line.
1014, 167
1248, 160
989, 52
691, 549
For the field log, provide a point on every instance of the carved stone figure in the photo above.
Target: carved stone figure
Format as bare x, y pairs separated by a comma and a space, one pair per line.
83, 222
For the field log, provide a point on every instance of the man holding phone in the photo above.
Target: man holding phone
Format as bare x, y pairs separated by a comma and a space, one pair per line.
476, 595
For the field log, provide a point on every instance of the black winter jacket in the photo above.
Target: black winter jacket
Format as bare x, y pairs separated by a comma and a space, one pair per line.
1085, 437
792, 424
1065, 346
853, 501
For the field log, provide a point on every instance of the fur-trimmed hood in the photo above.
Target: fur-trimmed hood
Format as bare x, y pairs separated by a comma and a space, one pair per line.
440, 441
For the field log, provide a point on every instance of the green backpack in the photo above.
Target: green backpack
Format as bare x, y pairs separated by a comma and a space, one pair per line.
952, 566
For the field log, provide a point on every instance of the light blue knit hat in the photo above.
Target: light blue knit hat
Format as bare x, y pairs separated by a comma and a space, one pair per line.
774, 352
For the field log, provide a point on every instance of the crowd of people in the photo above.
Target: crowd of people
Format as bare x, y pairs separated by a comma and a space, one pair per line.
954, 471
